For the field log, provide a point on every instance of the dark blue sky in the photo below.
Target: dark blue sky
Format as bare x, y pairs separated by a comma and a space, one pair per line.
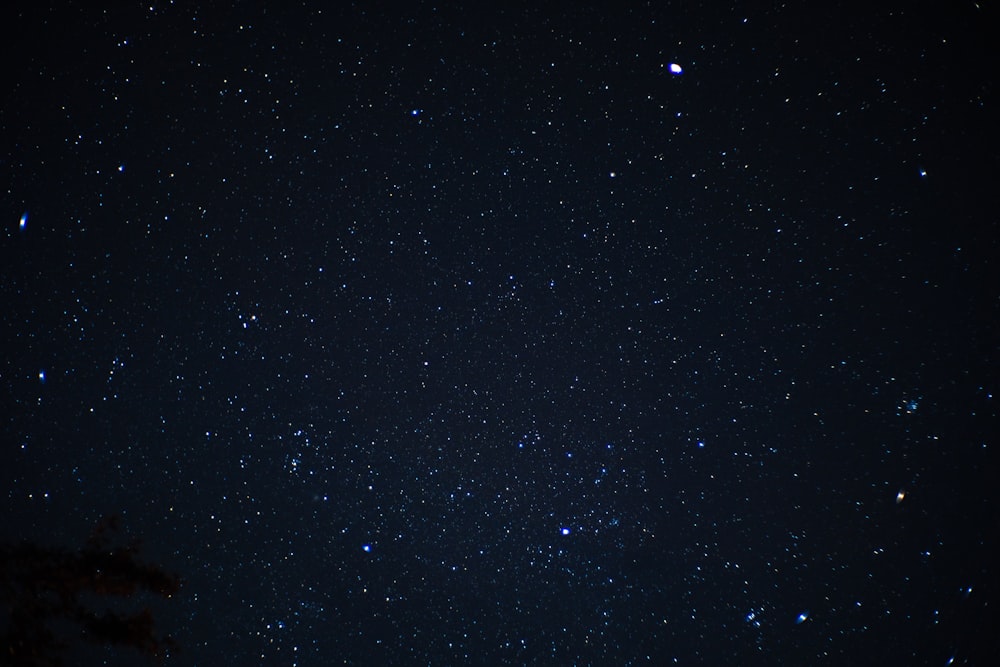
477, 336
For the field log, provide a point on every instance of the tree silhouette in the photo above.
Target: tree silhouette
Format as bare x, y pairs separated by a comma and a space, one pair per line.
49, 592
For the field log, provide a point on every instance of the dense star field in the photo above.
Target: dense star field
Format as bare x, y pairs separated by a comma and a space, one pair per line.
425, 335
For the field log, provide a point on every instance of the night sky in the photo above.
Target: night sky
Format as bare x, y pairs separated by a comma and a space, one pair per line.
416, 335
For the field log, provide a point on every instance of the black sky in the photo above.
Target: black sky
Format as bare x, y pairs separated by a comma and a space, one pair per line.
449, 335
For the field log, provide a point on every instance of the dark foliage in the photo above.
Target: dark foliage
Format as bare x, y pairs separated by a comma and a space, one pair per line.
52, 595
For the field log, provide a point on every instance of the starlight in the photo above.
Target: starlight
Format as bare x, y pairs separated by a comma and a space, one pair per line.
618, 361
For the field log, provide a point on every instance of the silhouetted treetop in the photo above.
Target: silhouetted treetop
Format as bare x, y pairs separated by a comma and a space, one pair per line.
42, 587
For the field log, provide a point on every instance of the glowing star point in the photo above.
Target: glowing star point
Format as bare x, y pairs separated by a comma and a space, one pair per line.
676, 69
23, 222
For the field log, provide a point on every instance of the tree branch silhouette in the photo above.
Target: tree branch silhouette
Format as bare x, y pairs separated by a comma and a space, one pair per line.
46, 589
